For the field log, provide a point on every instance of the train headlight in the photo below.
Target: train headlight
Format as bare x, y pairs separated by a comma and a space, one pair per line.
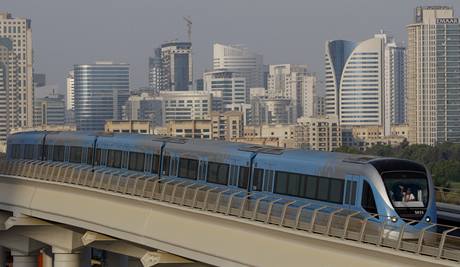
394, 219
428, 219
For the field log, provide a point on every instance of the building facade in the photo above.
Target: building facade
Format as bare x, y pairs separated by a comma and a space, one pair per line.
70, 102
293, 82
21, 97
8, 88
144, 107
155, 71
129, 126
231, 85
49, 110
239, 59
176, 66
101, 89
186, 105
433, 76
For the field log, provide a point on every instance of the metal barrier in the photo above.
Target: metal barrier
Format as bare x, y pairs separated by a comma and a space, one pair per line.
448, 195
435, 240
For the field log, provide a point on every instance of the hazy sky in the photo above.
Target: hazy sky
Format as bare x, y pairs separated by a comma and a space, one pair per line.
67, 32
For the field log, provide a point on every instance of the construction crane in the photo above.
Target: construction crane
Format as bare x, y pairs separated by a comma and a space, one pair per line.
188, 20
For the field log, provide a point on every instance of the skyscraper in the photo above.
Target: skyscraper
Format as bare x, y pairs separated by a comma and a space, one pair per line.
176, 66
21, 97
337, 54
155, 70
433, 76
8, 87
365, 82
101, 89
239, 59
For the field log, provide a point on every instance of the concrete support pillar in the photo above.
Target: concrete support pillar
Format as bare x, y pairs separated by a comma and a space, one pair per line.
24, 260
2, 256
115, 260
65, 258
47, 259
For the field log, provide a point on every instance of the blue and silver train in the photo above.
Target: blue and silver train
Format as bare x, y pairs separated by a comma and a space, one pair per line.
395, 188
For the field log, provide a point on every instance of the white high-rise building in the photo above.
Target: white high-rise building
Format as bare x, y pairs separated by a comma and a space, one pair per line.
231, 85
8, 86
70, 91
433, 76
365, 82
237, 58
186, 105
21, 96
295, 83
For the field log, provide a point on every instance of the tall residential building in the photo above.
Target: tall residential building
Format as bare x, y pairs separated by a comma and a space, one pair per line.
293, 82
395, 84
21, 97
231, 84
433, 76
8, 86
176, 66
101, 89
70, 91
155, 70
239, 59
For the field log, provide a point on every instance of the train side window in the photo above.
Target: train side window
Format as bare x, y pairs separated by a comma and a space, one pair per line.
243, 178
281, 182
29, 151
188, 168
98, 156
336, 191
166, 161
218, 173
89, 156
45, 152
75, 154
155, 163
136, 161
114, 159
258, 179
368, 200
323, 189
16, 151
58, 153
293, 184
312, 187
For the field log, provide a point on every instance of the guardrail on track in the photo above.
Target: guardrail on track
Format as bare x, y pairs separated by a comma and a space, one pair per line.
448, 195
435, 240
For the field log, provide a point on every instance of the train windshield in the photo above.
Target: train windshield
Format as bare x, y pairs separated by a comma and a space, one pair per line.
406, 189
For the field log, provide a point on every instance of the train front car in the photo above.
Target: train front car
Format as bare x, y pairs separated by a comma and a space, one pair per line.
406, 192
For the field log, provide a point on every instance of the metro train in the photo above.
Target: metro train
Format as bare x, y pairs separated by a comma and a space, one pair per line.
393, 188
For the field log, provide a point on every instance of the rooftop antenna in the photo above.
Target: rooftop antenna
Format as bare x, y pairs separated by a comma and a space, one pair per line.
188, 20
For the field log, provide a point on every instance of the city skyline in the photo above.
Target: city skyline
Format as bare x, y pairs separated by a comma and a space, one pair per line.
277, 38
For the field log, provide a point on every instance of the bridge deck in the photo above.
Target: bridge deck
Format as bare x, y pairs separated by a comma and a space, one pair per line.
436, 241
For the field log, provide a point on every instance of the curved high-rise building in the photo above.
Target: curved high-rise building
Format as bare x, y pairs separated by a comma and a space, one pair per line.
337, 54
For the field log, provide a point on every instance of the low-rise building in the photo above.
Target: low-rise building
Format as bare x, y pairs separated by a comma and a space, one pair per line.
131, 126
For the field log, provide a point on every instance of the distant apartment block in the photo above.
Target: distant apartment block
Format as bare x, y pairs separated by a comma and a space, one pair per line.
130, 126
230, 85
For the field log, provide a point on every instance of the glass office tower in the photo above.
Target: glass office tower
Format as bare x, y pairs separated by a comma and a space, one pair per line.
101, 89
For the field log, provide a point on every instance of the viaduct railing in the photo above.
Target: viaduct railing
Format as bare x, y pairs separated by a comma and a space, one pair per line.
433, 240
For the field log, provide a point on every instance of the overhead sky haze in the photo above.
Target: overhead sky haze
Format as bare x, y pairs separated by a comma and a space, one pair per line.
69, 32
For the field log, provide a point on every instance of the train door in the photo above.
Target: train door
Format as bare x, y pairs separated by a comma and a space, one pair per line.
352, 191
